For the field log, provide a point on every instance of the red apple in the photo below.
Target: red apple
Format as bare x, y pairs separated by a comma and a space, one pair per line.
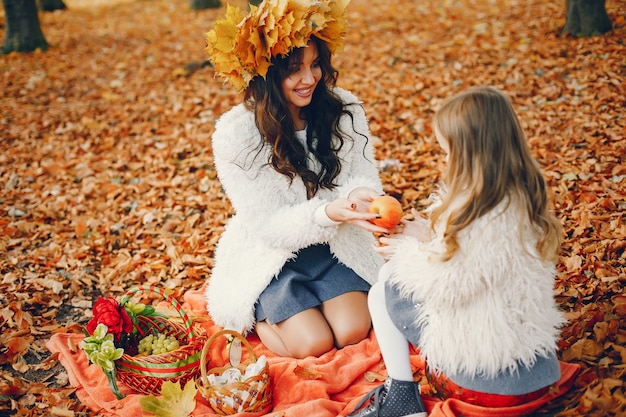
389, 209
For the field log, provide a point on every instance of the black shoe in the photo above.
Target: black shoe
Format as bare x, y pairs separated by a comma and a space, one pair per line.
392, 399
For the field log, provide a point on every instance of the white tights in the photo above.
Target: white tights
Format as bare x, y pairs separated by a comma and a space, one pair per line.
393, 345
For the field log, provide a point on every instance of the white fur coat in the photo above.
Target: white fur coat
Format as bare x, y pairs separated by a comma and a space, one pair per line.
274, 219
490, 305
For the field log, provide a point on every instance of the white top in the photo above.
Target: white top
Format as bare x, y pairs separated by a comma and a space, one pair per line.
490, 307
320, 217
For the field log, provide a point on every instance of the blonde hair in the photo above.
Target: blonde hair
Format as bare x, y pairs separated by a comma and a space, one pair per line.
489, 161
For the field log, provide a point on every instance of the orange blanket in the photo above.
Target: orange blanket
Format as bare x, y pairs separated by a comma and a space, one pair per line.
338, 386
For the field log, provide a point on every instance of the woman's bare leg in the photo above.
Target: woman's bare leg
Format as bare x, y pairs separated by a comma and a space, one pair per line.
348, 317
271, 339
304, 334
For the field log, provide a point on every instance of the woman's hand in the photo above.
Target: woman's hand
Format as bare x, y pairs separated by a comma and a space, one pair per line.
353, 209
362, 197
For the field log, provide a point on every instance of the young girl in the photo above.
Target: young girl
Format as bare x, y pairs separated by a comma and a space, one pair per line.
472, 287
295, 159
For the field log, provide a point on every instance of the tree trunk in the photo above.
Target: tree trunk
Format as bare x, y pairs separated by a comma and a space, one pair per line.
204, 4
50, 5
586, 18
23, 31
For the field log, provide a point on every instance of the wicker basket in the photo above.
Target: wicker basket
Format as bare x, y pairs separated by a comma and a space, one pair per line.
146, 374
256, 390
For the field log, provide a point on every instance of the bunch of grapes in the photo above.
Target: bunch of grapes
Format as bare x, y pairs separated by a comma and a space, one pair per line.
155, 344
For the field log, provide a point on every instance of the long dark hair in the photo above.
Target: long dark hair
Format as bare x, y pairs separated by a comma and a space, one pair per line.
324, 137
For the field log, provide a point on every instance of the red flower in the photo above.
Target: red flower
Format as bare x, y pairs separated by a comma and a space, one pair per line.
108, 312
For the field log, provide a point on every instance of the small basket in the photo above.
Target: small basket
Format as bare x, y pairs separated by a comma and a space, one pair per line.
146, 374
257, 388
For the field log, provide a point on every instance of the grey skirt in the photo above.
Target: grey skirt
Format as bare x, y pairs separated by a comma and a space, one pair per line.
544, 372
305, 282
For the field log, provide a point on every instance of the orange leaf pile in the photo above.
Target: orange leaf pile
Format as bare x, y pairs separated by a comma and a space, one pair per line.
107, 179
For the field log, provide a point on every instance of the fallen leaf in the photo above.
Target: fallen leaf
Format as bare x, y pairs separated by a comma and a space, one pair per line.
307, 373
107, 177
174, 401
371, 376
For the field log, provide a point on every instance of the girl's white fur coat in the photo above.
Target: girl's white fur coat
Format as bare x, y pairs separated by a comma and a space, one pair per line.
274, 219
488, 307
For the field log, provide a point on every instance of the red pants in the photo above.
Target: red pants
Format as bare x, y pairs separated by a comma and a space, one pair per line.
444, 388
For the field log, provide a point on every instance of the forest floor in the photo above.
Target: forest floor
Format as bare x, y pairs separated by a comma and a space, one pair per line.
107, 180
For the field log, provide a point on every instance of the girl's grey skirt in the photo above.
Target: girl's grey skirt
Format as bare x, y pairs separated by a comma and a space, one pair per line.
544, 372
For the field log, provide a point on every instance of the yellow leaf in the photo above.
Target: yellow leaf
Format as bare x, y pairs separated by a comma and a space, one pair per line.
179, 72
20, 365
110, 96
307, 373
371, 376
174, 402
61, 412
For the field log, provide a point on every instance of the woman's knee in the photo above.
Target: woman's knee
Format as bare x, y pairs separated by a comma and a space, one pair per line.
348, 317
353, 334
311, 346
271, 339
306, 334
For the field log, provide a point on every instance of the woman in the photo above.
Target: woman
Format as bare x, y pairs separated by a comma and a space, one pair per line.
295, 159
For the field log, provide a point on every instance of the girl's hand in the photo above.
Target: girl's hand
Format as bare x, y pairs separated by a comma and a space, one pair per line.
386, 247
418, 228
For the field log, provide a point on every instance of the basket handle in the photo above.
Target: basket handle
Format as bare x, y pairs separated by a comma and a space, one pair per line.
207, 345
167, 296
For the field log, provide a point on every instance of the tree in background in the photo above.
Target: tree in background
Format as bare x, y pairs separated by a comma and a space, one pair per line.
23, 30
204, 4
50, 5
586, 18
210, 4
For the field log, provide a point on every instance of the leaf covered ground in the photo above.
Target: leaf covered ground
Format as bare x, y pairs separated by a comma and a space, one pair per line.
107, 180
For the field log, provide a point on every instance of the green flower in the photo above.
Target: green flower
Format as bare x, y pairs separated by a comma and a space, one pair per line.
100, 332
100, 350
135, 308
92, 343
105, 360
138, 309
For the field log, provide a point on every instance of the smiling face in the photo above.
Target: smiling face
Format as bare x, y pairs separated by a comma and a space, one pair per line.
299, 85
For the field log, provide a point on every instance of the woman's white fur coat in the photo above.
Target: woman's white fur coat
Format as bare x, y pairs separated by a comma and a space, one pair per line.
274, 218
488, 307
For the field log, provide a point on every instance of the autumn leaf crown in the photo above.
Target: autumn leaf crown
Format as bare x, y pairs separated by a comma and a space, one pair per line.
242, 46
